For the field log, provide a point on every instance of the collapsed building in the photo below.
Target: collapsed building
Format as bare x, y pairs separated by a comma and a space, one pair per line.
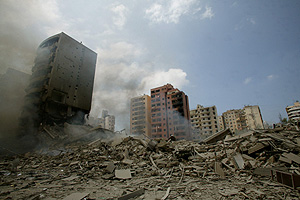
61, 84
258, 164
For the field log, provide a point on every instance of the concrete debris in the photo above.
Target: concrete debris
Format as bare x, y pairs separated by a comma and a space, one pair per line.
217, 136
132, 195
258, 164
123, 174
76, 196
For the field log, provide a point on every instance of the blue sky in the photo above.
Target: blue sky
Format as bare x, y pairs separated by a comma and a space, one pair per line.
224, 53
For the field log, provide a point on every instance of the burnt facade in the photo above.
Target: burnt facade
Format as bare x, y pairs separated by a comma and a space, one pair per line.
169, 113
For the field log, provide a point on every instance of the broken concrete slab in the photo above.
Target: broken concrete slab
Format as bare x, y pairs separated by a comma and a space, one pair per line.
217, 136
292, 157
123, 174
110, 167
284, 159
256, 148
262, 171
244, 135
239, 161
127, 161
219, 170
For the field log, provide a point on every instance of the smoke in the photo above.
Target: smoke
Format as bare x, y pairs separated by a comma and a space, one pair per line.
23, 26
21, 31
122, 74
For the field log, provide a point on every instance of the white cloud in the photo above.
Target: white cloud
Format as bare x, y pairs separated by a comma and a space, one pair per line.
271, 77
120, 11
208, 14
171, 11
119, 50
247, 80
176, 77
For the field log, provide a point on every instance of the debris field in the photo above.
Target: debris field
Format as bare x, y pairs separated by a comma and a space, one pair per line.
258, 164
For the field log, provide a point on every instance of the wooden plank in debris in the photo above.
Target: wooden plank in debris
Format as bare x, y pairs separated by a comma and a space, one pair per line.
123, 174
256, 147
292, 157
239, 160
76, 196
132, 194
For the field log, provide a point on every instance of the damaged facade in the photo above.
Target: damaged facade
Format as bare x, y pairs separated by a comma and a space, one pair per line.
61, 83
293, 111
204, 121
240, 119
170, 113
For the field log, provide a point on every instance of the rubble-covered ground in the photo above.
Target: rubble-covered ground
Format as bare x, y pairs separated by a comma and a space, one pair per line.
237, 167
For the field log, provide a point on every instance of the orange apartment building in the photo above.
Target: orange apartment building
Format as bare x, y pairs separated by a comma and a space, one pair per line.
169, 113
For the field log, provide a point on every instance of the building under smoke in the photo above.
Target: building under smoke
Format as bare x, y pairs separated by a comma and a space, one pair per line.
106, 121
12, 92
61, 83
170, 113
140, 120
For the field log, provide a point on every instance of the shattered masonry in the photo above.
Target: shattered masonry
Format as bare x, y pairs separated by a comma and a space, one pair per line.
257, 164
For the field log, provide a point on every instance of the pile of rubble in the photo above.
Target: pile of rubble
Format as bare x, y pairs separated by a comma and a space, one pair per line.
254, 165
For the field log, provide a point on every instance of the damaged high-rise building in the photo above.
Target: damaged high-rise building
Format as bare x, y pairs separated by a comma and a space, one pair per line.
61, 84
170, 113
204, 121
239, 119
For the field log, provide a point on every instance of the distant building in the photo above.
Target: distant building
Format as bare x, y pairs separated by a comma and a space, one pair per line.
232, 120
293, 111
221, 125
106, 122
239, 119
170, 113
104, 113
140, 120
109, 122
204, 121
